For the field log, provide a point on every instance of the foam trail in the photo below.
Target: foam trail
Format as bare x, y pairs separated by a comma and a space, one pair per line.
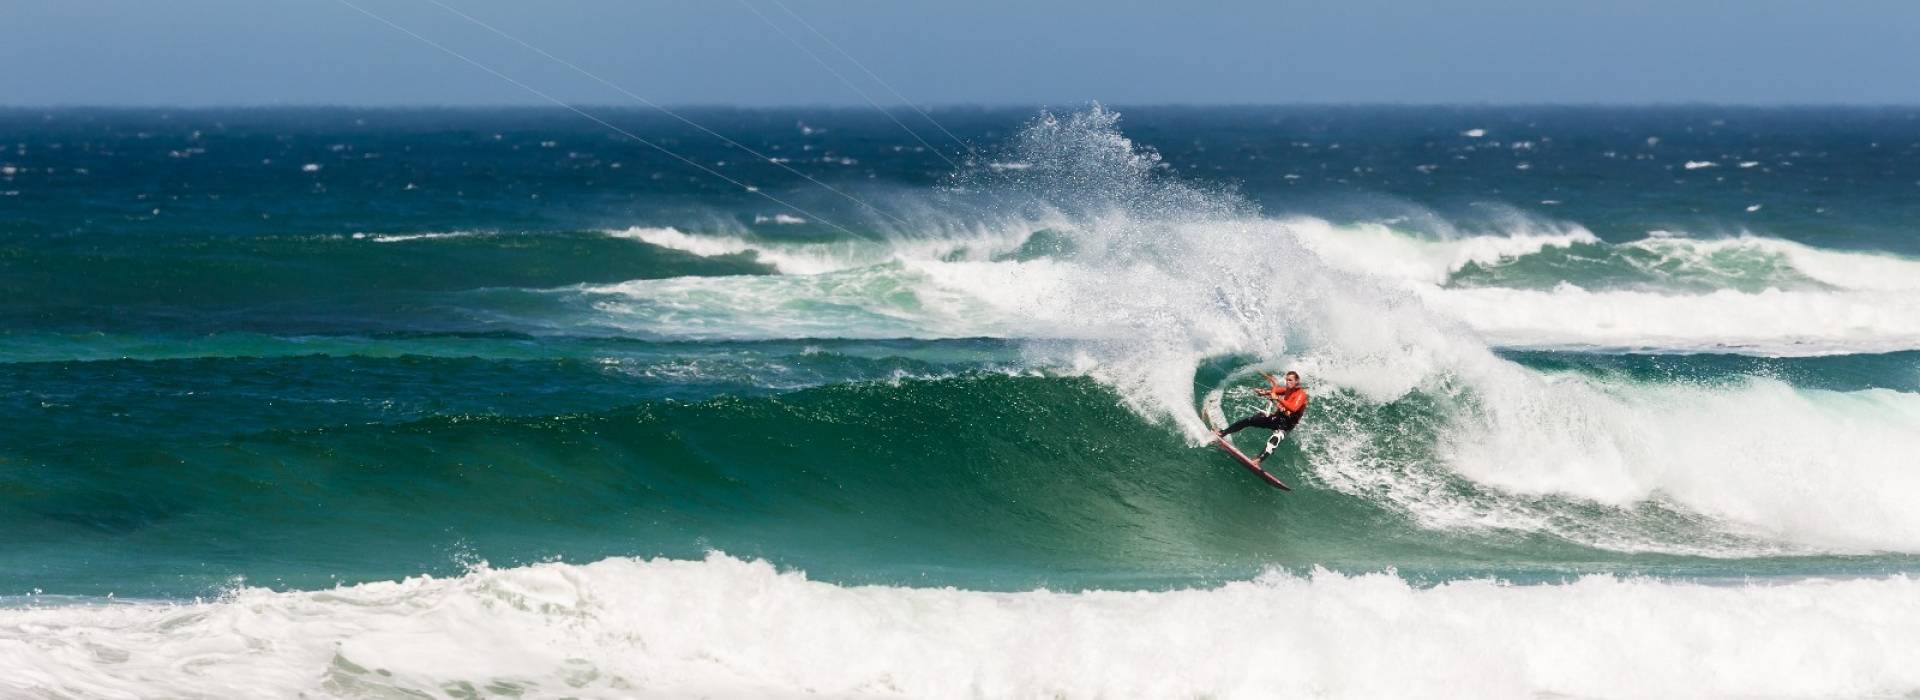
732, 628
404, 237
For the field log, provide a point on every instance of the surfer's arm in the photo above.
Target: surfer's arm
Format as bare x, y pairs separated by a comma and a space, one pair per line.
1271, 394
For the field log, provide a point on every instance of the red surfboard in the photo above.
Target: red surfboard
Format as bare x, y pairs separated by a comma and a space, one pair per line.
1250, 464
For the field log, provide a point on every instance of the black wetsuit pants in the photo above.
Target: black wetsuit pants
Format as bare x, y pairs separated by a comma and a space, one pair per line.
1277, 423
1258, 420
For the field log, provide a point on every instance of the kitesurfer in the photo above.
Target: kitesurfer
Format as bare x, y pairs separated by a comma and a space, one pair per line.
1289, 404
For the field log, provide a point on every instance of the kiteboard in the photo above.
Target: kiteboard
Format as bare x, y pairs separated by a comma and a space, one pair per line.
1251, 465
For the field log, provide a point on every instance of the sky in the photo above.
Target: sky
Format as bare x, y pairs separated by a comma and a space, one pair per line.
995, 52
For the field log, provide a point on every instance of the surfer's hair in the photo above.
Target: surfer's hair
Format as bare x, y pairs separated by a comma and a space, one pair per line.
1292, 374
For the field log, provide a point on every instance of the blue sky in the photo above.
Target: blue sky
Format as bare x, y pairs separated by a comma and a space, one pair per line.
252, 52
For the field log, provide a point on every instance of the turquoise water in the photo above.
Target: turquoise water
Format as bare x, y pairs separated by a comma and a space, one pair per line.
268, 351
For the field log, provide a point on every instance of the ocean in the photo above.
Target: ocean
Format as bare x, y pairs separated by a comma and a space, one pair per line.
381, 403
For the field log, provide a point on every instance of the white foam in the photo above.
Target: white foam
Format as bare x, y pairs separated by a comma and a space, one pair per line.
794, 258
1867, 303
1843, 269
810, 258
1835, 268
729, 628
1819, 470
1770, 322
1860, 302
1379, 250
881, 301
402, 237
705, 246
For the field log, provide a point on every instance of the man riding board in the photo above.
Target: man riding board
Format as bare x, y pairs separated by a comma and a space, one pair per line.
1289, 404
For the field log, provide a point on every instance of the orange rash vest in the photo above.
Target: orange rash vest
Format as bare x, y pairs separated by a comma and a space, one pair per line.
1291, 401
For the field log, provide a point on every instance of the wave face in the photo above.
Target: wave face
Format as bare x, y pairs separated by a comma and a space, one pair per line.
476, 410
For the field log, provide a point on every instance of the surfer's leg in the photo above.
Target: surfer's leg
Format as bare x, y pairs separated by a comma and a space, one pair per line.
1242, 423
1257, 420
1273, 443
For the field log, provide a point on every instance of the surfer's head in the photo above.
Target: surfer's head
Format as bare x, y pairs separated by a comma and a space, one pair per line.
1293, 379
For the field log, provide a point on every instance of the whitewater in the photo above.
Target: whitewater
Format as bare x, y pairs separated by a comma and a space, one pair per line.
723, 627
1664, 293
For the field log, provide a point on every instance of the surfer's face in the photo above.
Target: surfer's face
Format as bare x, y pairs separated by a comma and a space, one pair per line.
1293, 381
